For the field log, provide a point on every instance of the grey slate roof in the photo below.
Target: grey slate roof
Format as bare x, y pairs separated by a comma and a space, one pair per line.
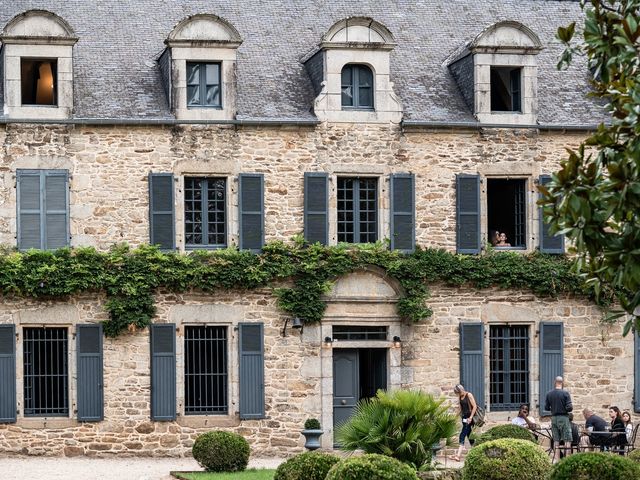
116, 74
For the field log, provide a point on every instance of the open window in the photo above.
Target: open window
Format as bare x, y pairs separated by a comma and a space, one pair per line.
357, 87
506, 94
506, 212
38, 81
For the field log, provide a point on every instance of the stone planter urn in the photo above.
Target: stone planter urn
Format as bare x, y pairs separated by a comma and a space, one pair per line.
312, 433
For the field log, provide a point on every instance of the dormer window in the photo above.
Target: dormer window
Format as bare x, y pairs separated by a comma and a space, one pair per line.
506, 95
357, 87
203, 85
38, 81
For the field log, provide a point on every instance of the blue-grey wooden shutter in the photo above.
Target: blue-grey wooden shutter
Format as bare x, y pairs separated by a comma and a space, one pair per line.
163, 371
403, 232
251, 193
56, 208
548, 243
316, 207
636, 373
161, 211
90, 373
251, 370
472, 359
551, 346
8, 403
468, 213
29, 209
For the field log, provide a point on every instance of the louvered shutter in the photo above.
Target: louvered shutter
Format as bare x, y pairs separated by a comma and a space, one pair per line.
251, 371
472, 359
468, 213
8, 403
29, 209
551, 346
403, 235
161, 211
56, 208
548, 243
251, 193
316, 207
163, 371
636, 381
90, 373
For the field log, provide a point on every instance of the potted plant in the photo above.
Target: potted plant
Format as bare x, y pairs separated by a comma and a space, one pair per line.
312, 432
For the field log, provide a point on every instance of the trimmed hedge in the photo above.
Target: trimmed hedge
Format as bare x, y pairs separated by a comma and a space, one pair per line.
634, 455
371, 467
506, 459
306, 466
221, 451
595, 466
505, 431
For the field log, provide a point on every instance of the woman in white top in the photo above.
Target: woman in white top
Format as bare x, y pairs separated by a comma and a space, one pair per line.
628, 426
523, 419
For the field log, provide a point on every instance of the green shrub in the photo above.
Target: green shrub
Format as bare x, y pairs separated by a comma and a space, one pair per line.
506, 459
371, 467
634, 455
595, 466
505, 431
403, 424
306, 466
221, 452
312, 424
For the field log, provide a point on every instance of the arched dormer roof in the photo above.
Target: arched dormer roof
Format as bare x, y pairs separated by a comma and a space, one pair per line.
358, 31
370, 283
506, 35
38, 26
205, 30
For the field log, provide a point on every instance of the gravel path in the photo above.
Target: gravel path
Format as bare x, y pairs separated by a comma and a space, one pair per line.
54, 468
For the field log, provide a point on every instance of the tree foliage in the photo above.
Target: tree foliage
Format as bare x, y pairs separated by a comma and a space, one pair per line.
595, 198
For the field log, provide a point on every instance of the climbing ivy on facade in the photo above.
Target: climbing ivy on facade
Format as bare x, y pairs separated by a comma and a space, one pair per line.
130, 277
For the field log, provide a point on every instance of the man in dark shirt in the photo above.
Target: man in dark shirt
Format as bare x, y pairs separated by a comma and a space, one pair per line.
558, 401
595, 424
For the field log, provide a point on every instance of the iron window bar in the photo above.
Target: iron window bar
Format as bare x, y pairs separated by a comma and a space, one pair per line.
205, 212
509, 366
357, 210
359, 333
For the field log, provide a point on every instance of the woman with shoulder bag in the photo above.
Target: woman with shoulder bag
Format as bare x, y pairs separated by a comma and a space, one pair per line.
468, 407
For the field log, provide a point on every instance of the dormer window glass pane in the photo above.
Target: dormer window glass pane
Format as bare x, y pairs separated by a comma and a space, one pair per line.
357, 87
505, 89
38, 81
203, 85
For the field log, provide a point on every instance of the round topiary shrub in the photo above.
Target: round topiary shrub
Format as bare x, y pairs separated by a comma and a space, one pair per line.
221, 451
595, 466
312, 424
371, 467
505, 431
306, 466
506, 459
634, 455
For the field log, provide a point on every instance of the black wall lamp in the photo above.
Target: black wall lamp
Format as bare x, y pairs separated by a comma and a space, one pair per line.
397, 343
327, 342
296, 324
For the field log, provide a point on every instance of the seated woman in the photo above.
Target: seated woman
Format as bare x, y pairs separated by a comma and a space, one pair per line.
523, 419
618, 433
628, 426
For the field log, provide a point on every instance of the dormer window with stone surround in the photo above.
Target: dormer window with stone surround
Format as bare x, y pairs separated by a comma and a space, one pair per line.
497, 74
350, 73
198, 68
37, 66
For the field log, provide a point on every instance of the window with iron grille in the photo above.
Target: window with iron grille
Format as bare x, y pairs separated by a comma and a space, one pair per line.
352, 332
205, 212
509, 366
206, 376
46, 372
357, 87
203, 85
357, 210
507, 210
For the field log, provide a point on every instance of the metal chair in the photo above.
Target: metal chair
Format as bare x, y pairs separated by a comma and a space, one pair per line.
631, 446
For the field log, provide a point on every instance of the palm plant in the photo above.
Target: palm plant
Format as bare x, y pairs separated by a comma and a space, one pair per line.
403, 424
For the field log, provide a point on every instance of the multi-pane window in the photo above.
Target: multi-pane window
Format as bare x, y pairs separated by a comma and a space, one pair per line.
509, 366
38, 81
357, 210
506, 211
206, 376
357, 87
46, 372
203, 85
505, 89
354, 332
205, 212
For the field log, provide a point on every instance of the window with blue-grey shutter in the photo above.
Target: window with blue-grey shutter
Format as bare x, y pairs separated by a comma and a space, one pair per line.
636, 382
468, 214
161, 211
316, 207
43, 209
548, 243
472, 359
251, 370
163, 371
90, 374
403, 236
8, 403
551, 346
251, 203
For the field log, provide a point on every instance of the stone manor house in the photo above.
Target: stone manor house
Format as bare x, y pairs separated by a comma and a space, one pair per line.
203, 124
